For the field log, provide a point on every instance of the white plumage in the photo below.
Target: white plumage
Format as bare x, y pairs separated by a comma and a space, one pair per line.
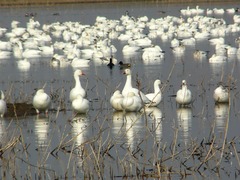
132, 102
184, 95
116, 100
221, 94
80, 105
3, 105
41, 101
156, 96
78, 89
128, 87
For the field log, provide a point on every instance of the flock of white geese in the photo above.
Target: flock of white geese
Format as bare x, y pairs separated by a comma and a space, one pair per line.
76, 44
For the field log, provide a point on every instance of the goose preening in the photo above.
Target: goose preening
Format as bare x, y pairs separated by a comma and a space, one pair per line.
41, 101
184, 95
156, 96
221, 94
80, 105
78, 89
3, 105
128, 87
116, 100
132, 102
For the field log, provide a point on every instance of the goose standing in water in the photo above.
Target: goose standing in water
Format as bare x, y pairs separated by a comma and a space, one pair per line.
184, 95
128, 87
221, 95
156, 96
116, 100
80, 105
41, 101
3, 105
132, 102
78, 89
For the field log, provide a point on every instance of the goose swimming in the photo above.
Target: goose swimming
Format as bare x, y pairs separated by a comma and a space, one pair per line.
184, 95
78, 87
156, 96
80, 104
221, 94
132, 102
41, 101
116, 100
128, 87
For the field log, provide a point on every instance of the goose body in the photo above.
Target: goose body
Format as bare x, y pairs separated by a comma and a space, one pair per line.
23, 65
3, 105
116, 100
221, 95
78, 87
132, 102
41, 101
184, 95
128, 87
80, 105
156, 96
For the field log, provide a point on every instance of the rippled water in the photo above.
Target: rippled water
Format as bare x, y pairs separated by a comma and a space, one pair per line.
111, 144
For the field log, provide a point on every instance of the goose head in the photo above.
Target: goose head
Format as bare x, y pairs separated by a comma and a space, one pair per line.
184, 83
40, 91
158, 82
78, 72
127, 72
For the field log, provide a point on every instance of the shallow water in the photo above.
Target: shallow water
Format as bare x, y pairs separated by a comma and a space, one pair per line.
111, 144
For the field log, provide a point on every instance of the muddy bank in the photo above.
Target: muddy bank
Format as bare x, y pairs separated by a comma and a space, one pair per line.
55, 2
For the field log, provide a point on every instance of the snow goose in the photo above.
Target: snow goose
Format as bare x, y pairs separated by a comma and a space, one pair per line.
199, 54
128, 87
41, 101
184, 95
155, 97
78, 87
77, 62
23, 65
80, 104
217, 59
221, 94
132, 102
3, 105
116, 100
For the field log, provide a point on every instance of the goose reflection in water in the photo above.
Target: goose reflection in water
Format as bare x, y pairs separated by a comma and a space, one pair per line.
126, 127
221, 115
133, 128
156, 116
79, 124
41, 131
2, 130
217, 69
184, 116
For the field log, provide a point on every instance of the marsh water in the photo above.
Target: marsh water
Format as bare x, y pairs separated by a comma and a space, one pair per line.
108, 144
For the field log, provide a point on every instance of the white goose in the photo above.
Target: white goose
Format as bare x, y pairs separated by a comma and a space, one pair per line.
184, 95
155, 97
78, 87
116, 100
221, 95
3, 105
41, 101
132, 102
80, 104
128, 87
